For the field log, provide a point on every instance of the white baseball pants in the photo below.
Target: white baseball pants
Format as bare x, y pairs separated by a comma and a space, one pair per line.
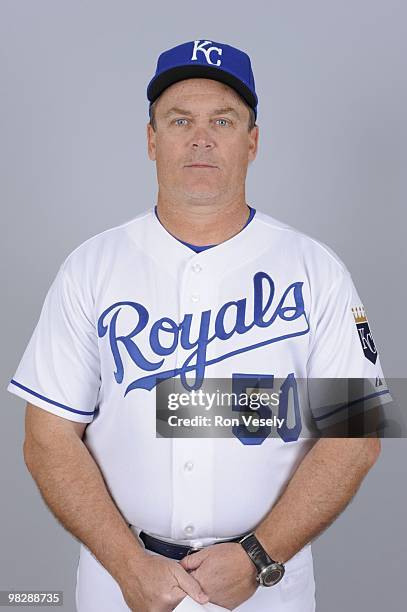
97, 591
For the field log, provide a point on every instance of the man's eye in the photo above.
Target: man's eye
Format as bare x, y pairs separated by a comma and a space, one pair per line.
226, 121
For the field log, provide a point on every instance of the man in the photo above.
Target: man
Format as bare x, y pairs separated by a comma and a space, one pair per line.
201, 286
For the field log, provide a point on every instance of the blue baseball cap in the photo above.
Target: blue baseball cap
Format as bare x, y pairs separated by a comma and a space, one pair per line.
205, 59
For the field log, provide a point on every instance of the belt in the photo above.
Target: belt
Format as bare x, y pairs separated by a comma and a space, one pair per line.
175, 551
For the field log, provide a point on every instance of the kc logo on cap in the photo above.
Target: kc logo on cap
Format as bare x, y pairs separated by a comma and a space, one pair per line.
200, 46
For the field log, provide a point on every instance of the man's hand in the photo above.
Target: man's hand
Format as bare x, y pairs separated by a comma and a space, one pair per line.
157, 584
225, 573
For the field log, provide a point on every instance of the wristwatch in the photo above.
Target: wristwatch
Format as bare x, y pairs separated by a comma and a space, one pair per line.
269, 572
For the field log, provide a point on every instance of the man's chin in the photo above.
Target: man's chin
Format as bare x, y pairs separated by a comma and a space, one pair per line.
196, 194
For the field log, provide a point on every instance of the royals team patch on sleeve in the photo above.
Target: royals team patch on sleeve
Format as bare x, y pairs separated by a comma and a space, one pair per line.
365, 335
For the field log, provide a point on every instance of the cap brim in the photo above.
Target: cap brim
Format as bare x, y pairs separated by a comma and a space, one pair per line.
179, 73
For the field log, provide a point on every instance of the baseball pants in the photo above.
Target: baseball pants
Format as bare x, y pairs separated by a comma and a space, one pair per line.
98, 591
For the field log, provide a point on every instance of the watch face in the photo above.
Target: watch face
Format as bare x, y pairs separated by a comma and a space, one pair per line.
272, 574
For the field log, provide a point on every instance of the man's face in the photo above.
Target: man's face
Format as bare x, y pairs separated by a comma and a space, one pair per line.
201, 121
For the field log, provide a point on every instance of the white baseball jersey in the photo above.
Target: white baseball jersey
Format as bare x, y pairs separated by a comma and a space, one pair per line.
133, 302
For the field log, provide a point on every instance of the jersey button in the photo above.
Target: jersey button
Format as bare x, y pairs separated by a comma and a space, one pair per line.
189, 466
196, 267
189, 529
195, 297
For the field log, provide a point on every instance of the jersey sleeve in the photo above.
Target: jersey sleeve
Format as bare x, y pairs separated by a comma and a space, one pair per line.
60, 368
345, 376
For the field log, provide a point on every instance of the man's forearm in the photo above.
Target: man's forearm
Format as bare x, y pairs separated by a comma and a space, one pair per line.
73, 487
322, 486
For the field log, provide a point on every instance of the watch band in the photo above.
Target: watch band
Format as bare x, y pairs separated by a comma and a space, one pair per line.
269, 572
256, 551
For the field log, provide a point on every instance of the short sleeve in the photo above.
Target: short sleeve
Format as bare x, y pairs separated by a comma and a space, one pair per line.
344, 354
60, 368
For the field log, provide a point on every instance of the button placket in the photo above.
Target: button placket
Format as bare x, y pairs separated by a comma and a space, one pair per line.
195, 282
192, 458
192, 487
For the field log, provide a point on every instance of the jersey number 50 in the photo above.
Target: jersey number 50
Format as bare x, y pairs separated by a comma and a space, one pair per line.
288, 399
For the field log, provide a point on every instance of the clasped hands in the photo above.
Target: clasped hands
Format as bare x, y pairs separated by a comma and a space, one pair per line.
221, 573
225, 573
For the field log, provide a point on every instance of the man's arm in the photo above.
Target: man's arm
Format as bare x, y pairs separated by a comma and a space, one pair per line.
322, 486
72, 486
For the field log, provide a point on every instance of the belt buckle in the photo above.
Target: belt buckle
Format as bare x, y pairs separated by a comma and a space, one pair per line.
193, 549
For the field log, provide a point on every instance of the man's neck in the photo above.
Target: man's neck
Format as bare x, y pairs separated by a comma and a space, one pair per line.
203, 224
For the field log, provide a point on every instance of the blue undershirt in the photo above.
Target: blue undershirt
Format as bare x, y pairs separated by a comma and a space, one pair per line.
198, 249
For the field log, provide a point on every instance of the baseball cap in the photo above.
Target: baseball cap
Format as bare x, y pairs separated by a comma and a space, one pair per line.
205, 59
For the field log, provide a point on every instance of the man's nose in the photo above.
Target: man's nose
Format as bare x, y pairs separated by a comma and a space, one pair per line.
202, 139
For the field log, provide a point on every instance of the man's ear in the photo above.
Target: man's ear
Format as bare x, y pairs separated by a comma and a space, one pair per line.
151, 142
253, 143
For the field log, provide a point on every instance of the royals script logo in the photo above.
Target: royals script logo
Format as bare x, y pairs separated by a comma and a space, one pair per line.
267, 309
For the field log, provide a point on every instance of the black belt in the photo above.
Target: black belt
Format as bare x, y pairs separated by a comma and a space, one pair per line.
174, 551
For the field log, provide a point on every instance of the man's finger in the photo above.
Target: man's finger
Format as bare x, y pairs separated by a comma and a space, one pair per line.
191, 562
192, 587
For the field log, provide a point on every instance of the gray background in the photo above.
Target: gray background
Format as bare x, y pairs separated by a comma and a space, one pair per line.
330, 76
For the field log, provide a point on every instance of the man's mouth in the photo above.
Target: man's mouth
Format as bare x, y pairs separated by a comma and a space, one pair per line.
198, 165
